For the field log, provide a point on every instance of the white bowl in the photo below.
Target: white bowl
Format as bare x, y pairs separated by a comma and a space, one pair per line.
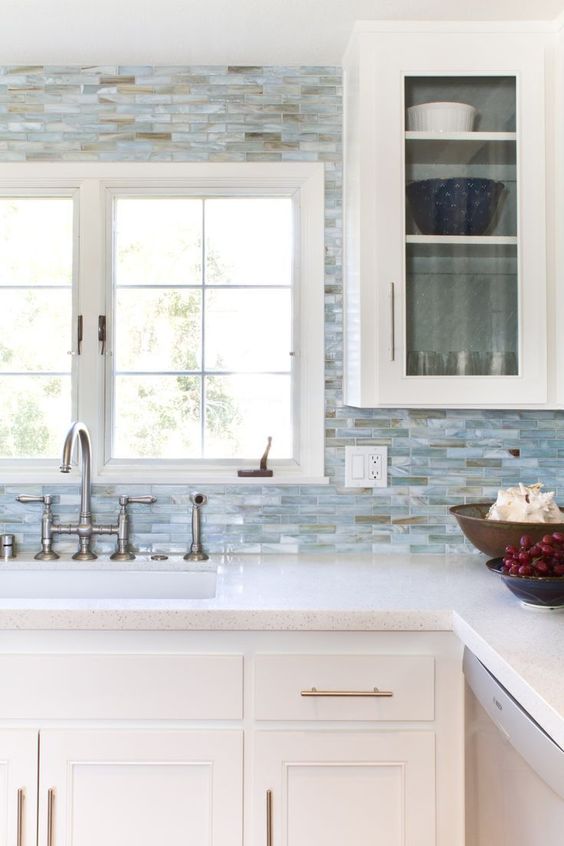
441, 117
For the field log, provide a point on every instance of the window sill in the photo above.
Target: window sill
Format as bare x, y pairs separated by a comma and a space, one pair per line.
128, 476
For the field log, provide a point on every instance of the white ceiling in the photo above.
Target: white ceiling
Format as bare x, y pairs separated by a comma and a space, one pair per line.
218, 31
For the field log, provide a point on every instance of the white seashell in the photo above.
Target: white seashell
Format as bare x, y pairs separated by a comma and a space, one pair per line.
526, 504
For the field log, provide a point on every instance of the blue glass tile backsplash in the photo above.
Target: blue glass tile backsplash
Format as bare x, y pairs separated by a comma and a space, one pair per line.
437, 458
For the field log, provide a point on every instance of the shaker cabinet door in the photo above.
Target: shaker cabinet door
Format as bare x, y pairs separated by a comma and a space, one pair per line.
140, 788
329, 788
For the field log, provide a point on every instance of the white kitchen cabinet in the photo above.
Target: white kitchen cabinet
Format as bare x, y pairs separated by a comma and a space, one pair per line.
446, 306
18, 787
178, 737
331, 788
140, 788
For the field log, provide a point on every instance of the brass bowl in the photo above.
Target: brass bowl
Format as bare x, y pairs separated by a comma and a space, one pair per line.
492, 536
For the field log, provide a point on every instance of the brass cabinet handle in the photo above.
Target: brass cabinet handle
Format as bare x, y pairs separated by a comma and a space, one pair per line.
50, 816
19, 829
348, 693
269, 818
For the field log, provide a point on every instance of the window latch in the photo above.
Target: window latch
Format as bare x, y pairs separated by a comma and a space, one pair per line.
102, 333
79, 325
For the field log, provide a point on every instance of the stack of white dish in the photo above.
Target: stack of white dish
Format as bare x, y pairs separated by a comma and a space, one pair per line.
441, 117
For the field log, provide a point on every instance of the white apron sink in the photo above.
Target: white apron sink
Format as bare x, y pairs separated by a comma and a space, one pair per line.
107, 584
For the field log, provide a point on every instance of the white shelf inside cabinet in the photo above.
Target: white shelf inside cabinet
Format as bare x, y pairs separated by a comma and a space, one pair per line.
460, 136
461, 239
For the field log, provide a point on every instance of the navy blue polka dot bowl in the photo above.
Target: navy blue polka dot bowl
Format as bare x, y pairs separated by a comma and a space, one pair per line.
456, 206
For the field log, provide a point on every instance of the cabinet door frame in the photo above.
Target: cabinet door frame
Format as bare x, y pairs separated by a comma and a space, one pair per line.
61, 750
275, 752
19, 755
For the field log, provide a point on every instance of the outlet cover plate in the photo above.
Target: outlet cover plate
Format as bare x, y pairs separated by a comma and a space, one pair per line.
366, 467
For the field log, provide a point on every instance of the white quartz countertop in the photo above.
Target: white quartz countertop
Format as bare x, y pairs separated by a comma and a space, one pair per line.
523, 648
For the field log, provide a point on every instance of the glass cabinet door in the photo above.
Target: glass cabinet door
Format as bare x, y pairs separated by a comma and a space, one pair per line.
462, 303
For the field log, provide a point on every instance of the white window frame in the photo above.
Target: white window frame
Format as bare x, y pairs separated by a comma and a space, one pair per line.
94, 184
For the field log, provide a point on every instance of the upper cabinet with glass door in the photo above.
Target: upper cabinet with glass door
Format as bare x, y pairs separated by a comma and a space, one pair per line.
445, 218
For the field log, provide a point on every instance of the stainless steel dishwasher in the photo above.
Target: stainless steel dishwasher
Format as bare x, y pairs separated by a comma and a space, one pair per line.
514, 770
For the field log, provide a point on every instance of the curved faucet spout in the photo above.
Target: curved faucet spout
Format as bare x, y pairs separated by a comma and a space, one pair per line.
79, 430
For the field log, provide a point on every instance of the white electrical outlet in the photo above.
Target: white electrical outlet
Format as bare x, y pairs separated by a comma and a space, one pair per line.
374, 467
366, 467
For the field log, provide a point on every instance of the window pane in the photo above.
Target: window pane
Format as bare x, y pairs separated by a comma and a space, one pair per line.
158, 241
158, 330
36, 251
34, 414
248, 329
36, 240
242, 411
37, 335
249, 241
157, 417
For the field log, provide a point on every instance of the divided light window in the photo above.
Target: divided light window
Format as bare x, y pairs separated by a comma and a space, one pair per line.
36, 304
202, 327
210, 279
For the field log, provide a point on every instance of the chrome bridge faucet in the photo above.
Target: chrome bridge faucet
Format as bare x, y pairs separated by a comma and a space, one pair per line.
84, 528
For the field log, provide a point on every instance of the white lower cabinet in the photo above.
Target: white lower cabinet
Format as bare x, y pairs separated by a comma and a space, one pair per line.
231, 739
121, 787
140, 788
18, 787
325, 788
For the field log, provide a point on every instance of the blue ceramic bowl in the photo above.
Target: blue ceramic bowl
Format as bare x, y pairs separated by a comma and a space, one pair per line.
457, 206
540, 592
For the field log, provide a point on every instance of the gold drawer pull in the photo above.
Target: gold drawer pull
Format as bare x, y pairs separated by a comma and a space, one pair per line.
19, 832
50, 816
269, 818
351, 693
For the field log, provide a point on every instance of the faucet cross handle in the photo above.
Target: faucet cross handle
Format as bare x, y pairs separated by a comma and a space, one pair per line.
46, 553
123, 553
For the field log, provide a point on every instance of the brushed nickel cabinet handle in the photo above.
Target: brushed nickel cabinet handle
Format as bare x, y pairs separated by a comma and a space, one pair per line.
269, 818
19, 830
348, 693
392, 321
50, 816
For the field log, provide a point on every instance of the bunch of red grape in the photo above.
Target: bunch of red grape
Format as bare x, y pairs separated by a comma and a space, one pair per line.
536, 560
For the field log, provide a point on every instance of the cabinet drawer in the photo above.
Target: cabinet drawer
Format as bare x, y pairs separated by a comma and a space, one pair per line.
341, 686
123, 686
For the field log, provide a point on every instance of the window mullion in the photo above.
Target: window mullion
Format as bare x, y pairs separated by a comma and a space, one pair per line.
75, 309
91, 303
